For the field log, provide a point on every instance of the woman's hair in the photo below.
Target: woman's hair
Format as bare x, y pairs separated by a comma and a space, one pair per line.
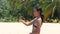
40, 11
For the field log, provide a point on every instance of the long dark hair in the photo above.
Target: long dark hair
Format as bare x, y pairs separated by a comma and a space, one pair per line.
39, 9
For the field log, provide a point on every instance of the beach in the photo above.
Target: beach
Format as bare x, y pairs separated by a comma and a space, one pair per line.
19, 28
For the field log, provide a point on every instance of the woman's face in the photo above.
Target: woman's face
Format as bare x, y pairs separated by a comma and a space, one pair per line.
36, 13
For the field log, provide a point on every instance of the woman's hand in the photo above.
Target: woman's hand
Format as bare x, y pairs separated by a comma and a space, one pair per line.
21, 19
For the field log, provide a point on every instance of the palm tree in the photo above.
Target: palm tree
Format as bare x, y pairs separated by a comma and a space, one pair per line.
49, 7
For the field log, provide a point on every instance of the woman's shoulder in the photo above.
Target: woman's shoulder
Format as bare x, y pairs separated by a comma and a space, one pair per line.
39, 19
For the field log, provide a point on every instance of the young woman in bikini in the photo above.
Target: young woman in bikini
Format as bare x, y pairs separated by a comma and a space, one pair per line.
36, 22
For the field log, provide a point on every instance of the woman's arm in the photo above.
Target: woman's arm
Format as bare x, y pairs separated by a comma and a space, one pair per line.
27, 23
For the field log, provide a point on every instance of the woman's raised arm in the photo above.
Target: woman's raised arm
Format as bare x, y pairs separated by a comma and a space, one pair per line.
27, 23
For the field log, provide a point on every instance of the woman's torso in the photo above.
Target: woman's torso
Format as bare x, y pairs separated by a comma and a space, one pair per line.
34, 30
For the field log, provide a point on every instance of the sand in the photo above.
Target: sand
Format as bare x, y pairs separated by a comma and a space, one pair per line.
19, 28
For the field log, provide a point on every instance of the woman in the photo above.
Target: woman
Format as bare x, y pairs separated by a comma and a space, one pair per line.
37, 22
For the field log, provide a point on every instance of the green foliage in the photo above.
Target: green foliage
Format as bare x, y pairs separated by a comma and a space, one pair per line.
11, 10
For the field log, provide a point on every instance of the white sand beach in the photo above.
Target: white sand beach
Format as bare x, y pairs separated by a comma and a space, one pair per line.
19, 28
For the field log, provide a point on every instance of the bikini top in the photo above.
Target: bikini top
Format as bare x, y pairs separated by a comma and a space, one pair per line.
36, 22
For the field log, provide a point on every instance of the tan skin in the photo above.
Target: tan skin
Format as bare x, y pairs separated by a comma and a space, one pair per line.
37, 15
